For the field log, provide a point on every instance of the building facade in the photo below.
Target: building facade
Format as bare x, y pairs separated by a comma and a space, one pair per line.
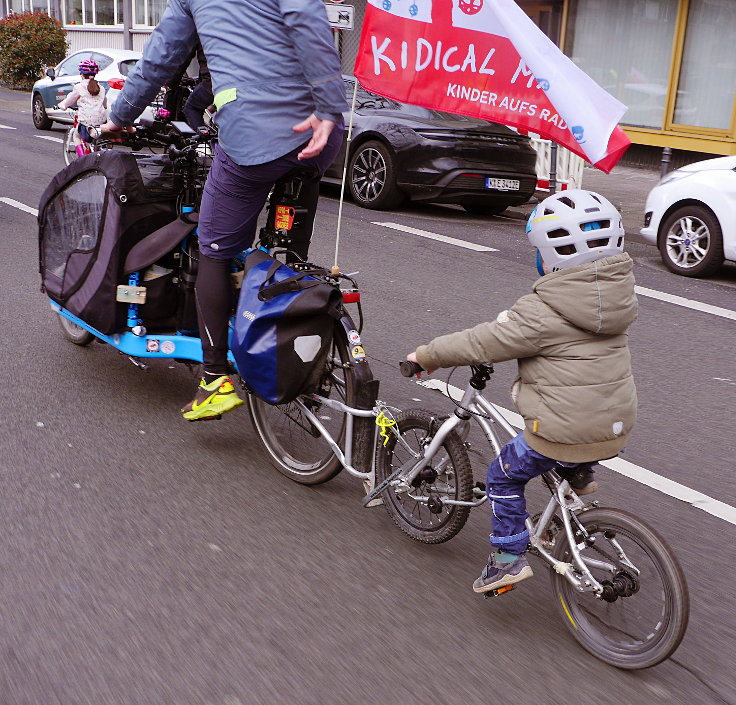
672, 62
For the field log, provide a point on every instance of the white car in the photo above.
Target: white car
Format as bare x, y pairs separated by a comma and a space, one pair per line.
691, 216
47, 93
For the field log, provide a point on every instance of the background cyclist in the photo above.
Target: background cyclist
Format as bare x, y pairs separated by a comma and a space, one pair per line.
89, 97
280, 98
575, 389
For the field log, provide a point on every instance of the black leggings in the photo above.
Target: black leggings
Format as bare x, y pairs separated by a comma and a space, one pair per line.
214, 302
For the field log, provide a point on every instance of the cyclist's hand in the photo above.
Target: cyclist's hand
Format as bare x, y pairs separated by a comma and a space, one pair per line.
321, 130
412, 357
111, 128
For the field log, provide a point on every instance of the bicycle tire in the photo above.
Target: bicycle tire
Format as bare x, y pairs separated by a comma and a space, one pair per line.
289, 438
70, 152
637, 641
74, 333
415, 518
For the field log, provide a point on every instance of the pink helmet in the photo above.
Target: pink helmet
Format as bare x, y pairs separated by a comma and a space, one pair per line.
88, 67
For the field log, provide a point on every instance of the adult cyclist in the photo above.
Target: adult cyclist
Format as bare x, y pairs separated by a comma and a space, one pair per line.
280, 98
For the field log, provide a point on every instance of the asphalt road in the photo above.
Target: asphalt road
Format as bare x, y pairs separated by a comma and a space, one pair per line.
146, 560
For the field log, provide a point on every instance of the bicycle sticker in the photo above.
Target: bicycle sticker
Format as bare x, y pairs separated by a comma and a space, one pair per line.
152, 345
284, 217
167, 347
354, 337
358, 353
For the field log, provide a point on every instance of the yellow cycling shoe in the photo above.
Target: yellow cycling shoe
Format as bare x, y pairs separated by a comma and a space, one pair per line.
212, 400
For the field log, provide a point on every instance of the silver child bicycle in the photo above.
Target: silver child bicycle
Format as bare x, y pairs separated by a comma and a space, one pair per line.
616, 583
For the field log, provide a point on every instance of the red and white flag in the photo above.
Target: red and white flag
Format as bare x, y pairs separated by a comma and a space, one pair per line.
487, 59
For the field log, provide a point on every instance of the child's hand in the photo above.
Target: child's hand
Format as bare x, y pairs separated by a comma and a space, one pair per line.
412, 357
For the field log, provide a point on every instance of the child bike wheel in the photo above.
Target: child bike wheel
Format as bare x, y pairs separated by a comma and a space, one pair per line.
448, 475
642, 618
295, 447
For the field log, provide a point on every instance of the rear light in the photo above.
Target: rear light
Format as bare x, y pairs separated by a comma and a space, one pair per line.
350, 296
116, 83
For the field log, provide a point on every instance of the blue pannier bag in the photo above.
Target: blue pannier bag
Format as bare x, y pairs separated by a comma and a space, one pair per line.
283, 329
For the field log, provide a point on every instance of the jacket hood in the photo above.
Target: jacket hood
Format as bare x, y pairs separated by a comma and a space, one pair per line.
597, 296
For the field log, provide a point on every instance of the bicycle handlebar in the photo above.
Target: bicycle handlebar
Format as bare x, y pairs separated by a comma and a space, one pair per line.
409, 369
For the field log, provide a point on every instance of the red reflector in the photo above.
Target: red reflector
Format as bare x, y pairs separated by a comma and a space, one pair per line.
116, 83
351, 297
476, 176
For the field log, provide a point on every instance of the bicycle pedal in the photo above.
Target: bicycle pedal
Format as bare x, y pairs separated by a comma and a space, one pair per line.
498, 592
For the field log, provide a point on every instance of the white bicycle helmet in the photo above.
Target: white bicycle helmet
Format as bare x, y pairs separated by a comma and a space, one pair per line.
574, 227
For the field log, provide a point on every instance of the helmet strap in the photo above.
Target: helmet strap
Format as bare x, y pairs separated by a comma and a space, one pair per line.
540, 266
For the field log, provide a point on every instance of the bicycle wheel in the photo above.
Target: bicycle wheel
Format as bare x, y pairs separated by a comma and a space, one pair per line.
294, 444
74, 333
643, 617
446, 476
70, 150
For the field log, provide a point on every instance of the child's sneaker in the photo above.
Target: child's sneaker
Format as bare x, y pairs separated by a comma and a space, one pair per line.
212, 400
582, 481
497, 574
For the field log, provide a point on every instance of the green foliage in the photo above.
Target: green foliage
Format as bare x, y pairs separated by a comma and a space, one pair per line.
29, 41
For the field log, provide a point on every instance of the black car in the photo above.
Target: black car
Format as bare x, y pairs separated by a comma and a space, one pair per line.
402, 151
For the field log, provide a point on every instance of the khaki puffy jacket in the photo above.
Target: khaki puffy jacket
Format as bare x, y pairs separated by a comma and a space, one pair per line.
575, 389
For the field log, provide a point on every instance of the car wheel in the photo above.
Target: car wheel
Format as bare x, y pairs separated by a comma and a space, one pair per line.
691, 242
373, 178
41, 121
482, 209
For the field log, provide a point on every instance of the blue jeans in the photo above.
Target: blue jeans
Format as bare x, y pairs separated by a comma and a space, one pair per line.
508, 474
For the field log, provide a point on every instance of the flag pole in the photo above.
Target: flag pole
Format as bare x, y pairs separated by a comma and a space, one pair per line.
335, 267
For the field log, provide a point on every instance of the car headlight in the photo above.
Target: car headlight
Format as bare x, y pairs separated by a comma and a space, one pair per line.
674, 176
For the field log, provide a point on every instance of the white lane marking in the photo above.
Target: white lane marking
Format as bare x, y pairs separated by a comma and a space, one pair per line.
687, 303
19, 205
49, 138
5, 127
635, 472
440, 238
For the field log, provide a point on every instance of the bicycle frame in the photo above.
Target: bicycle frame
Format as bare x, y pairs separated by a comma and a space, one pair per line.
474, 405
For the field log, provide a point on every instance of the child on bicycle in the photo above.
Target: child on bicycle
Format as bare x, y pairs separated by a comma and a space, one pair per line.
91, 102
574, 388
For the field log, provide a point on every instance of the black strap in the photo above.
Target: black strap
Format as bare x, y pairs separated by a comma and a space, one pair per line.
289, 285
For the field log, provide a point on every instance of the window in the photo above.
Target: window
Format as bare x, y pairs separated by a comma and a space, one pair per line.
104, 11
92, 12
127, 66
72, 221
70, 66
25, 6
148, 12
706, 87
626, 48
103, 61
73, 12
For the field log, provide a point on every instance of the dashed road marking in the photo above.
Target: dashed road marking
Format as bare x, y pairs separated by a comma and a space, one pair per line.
19, 205
687, 303
6, 127
439, 238
49, 138
635, 472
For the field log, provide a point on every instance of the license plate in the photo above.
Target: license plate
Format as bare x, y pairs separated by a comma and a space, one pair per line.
503, 184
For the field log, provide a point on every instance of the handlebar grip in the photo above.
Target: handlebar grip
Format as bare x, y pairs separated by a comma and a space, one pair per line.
409, 369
